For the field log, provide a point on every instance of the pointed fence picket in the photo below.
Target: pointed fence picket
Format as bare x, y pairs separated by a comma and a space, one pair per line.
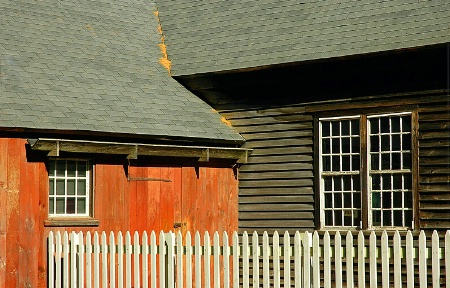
299, 260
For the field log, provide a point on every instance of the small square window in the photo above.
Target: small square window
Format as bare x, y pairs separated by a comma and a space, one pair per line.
69, 188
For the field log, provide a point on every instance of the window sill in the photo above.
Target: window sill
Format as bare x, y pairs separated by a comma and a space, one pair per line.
71, 222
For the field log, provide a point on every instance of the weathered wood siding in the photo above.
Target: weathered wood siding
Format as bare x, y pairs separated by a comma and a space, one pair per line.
200, 198
276, 187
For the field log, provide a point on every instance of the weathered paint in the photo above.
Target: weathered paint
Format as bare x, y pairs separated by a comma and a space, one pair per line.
205, 201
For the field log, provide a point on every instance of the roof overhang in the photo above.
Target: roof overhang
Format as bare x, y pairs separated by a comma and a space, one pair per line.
133, 150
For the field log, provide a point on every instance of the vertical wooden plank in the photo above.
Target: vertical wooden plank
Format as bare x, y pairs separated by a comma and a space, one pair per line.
4, 157
384, 259
188, 260
422, 260
66, 254
266, 255
409, 260
373, 259
198, 262
361, 260
178, 197
96, 261
207, 260
58, 256
235, 260
338, 258
255, 259
28, 225
276, 260
153, 252
104, 260
447, 258
316, 260
128, 250
12, 213
226, 261
188, 196
349, 259
81, 260
435, 263
397, 260
119, 259
180, 266
306, 259
112, 260
137, 270
297, 260
162, 262
42, 214
217, 267
88, 260
153, 190
287, 260
170, 239
245, 261
167, 209
51, 260
232, 201
326, 260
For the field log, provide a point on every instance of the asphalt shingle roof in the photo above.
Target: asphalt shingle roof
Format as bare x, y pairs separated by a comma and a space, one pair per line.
218, 35
93, 66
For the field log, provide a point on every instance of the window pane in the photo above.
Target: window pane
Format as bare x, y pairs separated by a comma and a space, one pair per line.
347, 200
328, 200
70, 205
329, 218
336, 163
337, 200
70, 186
385, 161
398, 199
386, 196
386, 179
81, 205
374, 143
376, 200
60, 168
355, 127
60, 187
406, 160
407, 182
347, 183
81, 188
345, 145
51, 186
396, 143
82, 168
356, 183
345, 163
71, 168
51, 203
325, 129
376, 182
338, 217
397, 181
385, 143
376, 218
345, 128
337, 184
355, 163
384, 123
395, 124
355, 145
335, 128
60, 205
408, 218
387, 221
398, 218
326, 146
326, 163
336, 145
375, 162
406, 142
348, 220
356, 200
408, 200
374, 127
51, 168
396, 161
406, 123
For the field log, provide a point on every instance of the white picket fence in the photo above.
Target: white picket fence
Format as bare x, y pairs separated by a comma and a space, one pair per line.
303, 260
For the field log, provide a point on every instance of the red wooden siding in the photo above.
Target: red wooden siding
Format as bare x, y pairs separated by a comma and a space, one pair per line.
200, 198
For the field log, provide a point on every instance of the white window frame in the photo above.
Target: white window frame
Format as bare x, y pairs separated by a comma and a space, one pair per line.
365, 173
53, 175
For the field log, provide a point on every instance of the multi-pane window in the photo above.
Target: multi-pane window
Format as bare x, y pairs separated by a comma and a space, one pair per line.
366, 181
69, 188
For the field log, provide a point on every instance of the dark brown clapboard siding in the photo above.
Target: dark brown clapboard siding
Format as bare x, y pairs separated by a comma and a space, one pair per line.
276, 185
434, 165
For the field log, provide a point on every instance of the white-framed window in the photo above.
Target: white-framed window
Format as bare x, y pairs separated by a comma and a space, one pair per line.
366, 171
69, 187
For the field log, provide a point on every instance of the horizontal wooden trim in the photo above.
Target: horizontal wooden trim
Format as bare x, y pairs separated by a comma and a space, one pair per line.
71, 222
133, 150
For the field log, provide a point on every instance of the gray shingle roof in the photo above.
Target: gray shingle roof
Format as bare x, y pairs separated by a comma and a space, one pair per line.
93, 66
217, 35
